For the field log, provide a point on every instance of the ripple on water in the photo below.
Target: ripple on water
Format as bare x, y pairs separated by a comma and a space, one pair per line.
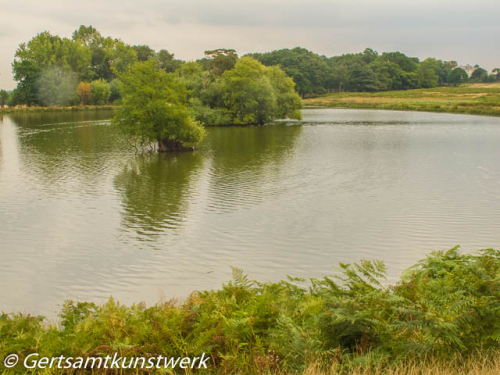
83, 218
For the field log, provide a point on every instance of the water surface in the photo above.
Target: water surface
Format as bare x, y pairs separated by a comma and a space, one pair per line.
83, 217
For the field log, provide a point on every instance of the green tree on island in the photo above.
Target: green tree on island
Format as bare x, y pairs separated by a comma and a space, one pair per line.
288, 102
248, 92
154, 109
256, 94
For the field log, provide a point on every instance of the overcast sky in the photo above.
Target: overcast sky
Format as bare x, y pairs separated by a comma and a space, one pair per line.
466, 31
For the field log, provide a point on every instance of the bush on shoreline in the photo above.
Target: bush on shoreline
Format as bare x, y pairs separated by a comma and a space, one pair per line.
445, 306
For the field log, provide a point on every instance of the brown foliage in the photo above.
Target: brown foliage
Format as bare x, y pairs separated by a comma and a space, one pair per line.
83, 91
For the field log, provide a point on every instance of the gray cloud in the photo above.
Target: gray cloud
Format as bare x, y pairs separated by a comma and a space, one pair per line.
460, 30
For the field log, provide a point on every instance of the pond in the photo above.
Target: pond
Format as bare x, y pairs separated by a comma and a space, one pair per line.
82, 216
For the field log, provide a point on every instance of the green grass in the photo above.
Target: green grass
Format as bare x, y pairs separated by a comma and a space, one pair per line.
477, 99
444, 312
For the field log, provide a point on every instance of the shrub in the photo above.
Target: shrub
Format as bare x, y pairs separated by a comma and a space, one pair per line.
99, 92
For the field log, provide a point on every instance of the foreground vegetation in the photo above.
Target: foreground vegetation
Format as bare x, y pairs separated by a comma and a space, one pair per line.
477, 99
443, 314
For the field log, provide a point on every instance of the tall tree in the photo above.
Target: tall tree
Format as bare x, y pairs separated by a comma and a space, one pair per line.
57, 86
220, 60
364, 78
99, 92
249, 95
310, 71
427, 74
496, 72
114, 91
288, 102
458, 76
154, 109
48, 56
166, 61
88, 35
408, 64
122, 56
479, 75
83, 92
144, 53
4, 98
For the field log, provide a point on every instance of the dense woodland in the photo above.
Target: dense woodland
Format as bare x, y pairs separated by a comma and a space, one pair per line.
51, 70
368, 71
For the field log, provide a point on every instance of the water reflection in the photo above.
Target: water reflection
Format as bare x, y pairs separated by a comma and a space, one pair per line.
83, 217
64, 150
156, 190
246, 163
37, 120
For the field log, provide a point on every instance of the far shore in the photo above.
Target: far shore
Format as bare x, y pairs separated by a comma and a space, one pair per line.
473, 99
22, 109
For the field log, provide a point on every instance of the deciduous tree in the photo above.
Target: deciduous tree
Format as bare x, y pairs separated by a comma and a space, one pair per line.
154, 109
458, 76
83, 92
220, 60
248, 93
4, 98
479, 75
99, 92
165, 60
57, 86
288, 102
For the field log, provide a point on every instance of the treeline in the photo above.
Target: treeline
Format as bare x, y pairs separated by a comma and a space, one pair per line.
49, 68
445, 308
220, 89
368, 71
83, 69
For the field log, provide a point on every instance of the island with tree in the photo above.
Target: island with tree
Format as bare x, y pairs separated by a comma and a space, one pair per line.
91, 71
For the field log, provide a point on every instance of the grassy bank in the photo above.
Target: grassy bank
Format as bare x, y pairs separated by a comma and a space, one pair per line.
56, 109
478, 366
477, 99
442, 315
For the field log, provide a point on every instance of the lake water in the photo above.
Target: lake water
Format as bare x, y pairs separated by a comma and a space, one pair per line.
83, 217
